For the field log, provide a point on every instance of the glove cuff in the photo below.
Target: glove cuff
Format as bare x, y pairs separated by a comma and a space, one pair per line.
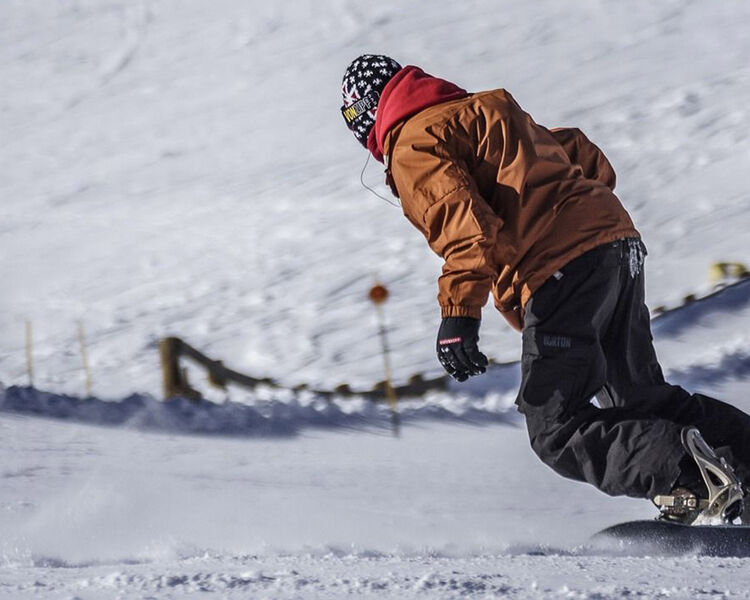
473, 312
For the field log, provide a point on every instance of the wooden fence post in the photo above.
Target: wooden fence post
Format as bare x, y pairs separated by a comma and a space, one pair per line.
169, 350
84, 358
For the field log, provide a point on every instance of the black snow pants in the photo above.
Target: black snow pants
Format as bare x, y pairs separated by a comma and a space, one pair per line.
587, 334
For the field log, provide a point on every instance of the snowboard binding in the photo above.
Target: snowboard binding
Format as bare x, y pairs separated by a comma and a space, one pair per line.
725, 494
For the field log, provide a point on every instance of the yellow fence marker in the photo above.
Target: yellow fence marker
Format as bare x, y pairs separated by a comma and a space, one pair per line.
723, 270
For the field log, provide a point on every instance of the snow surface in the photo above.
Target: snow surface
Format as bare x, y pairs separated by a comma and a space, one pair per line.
180, 168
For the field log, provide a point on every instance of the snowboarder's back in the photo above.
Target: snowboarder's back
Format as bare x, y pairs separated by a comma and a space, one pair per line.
527, 205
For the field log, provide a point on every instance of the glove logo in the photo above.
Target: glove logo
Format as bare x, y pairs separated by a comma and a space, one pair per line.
457, 348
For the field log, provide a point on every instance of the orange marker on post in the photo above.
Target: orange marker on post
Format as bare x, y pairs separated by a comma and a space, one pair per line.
378, 296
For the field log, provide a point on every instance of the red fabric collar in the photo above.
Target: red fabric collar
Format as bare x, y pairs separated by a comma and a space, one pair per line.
408, 92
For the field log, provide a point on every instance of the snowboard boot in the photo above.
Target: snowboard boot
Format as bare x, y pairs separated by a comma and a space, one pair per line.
714, 498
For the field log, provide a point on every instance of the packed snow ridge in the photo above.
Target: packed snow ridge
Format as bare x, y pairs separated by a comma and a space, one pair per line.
278, 416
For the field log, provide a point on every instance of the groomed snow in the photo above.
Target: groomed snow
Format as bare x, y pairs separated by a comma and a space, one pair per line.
180, 168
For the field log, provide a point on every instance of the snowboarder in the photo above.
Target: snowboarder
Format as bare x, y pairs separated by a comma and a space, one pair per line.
529, 214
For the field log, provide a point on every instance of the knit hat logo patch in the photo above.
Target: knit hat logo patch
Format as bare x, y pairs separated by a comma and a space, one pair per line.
367, 104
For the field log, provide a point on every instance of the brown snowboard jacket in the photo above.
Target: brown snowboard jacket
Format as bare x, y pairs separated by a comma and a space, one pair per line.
505, 201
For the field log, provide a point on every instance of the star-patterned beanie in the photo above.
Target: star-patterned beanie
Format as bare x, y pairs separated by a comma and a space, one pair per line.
363, 83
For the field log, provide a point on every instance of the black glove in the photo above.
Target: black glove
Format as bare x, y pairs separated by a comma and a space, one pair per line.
457, 348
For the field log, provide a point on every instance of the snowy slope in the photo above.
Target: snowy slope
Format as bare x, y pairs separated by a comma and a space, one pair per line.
445, 511
180, 168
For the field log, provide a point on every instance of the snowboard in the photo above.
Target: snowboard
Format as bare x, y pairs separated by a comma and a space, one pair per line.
669, 538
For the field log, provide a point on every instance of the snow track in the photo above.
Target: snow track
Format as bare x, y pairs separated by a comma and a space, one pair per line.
334, 575
448, 510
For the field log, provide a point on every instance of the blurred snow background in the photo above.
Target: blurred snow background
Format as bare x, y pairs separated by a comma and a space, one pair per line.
182, 168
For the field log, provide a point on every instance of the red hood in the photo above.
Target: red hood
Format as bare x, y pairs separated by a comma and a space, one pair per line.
408, 92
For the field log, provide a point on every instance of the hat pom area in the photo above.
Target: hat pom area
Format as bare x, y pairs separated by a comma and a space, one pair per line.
361, 87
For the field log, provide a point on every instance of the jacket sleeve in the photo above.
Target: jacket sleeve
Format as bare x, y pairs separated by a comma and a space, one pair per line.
585, 153
442, 200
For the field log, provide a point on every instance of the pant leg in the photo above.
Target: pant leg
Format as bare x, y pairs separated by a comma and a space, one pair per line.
634, 376
621, 451
725, 427
635, 380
